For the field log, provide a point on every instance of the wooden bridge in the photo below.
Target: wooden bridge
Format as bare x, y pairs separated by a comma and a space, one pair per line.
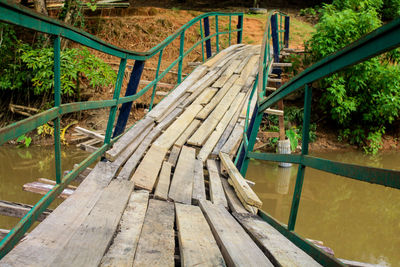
170, 190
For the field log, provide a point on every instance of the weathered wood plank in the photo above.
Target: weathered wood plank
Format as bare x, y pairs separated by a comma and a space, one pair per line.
196, 242
221, 55
173, 107
182, 181
164, 180
216, 191
227, 74
205, 96
187, 133
234, 139
128, 138
88, 244
122, 251
278, 248
52, 182
19, 210
157, 244
146, 173
173, 155
199, 190
42, 189
274, 111
89, 133
248, 207
239, 183
236, 245
233, 202
159, 110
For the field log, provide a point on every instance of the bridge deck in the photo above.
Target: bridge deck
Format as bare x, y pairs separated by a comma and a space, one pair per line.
194, 216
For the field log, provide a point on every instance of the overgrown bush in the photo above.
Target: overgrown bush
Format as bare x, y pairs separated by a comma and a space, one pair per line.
363, 99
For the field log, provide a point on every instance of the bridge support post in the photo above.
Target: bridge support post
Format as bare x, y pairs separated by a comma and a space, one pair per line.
304, 151
131, 89
206, 34
275, 42
240, 27
57, 103
287, 27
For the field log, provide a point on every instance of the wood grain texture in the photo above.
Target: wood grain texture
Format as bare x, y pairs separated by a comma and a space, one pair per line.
173, 155
157, 243
196, 242
277, 247
88, 244
240, 185
199, 190
123, 248
182, 181
187, 133
235, 205
164, 180
236, 245
217, 194
206, 96
41, 246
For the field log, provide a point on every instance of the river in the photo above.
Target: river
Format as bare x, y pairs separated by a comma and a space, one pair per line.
358, 220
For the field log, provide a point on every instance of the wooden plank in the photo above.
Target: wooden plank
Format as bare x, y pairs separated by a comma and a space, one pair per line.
239, 183
182, 181
41, 246
233, 202
278, 248
89, 133
249, 70
168, 138
122, 251
221, 55
157, 244
281, 64
52, 182
199, 190
19, 210
128, 138
205, 81
274, 80
274, 111
187, 133
42, 189
164, 180
146, 174
173, 107
196, 242
217, 98
216, 191
173, 155
124, 156
236, 245
169, 119
233, 140
269, 88
248, 207
227, 74
169, 100
88, 244
205, 97
220, 128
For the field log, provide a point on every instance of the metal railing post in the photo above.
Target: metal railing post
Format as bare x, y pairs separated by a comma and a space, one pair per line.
57, 103
304, 151
287, 27
217, 32
275, 42
113, 110
181, 48
206, 34
202, 37
155, 85
131, 89
239, 26
230, 29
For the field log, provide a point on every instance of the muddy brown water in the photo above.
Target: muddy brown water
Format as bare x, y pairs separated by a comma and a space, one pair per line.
358, 220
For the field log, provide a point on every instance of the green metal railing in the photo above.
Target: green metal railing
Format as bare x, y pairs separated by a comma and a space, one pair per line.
381, 40
14, 14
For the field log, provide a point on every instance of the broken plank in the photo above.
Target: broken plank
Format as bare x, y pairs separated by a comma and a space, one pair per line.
236, 245
187, 133
157, 243
239, 183
182, 181
278, 248
233, 202
19, 210
164, 180
128, 138
49, 238
92, 238
196, 242
248, 207
159, 110
122, 251
42, 189
173, 155
216, 191
146, 174
199, 190
89, 133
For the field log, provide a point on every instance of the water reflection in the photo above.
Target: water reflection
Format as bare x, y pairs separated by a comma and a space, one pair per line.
358, 220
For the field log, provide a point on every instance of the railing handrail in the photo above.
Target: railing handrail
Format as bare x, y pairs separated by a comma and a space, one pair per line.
12, 12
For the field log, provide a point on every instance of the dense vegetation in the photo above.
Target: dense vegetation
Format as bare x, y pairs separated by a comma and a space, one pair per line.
364, 99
